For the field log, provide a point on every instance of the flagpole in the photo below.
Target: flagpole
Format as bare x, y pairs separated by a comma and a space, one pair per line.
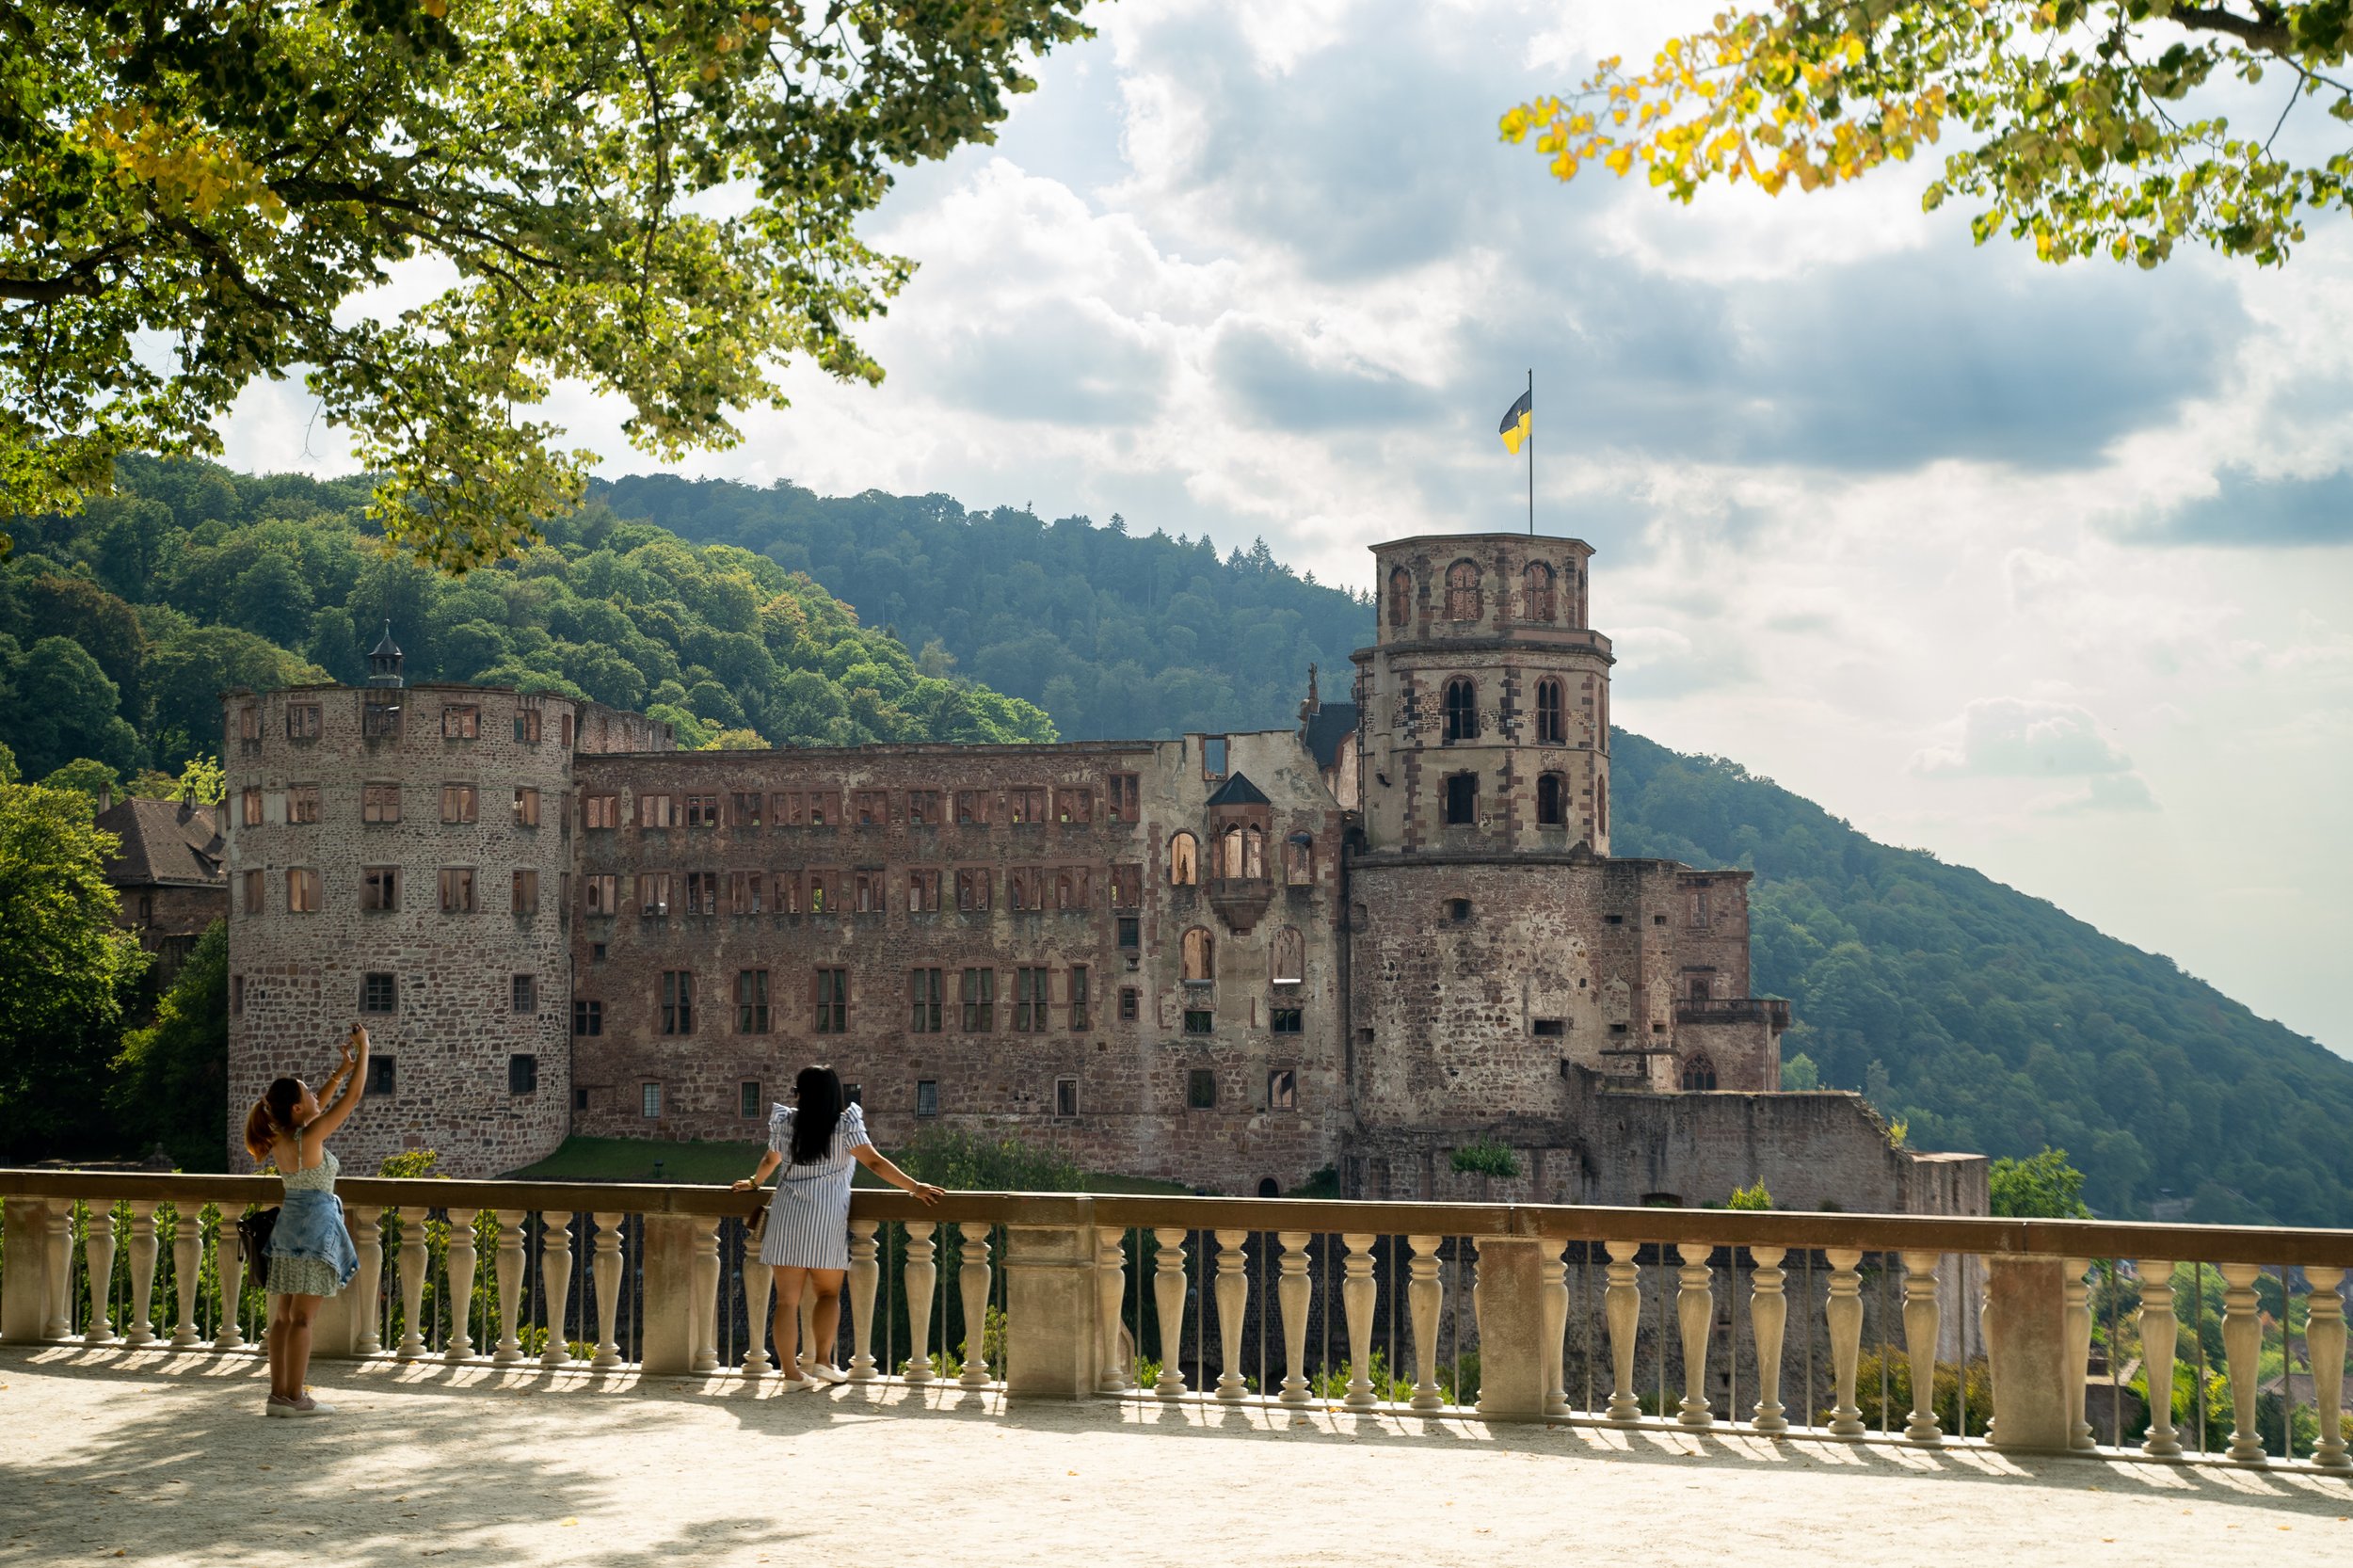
1531, 452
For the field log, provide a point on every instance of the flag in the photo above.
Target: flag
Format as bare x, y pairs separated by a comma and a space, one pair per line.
1514, 426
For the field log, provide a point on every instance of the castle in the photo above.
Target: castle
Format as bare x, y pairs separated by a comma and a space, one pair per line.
1232, 961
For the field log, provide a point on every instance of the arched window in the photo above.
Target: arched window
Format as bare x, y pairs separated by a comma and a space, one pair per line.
1462, 799
1184, 866
1551, 715
1461, 591
1601, 803
1698, 1072
1252, 854
1299, 861
1200, 954
1229, 860
1552, 800
1536, 596
1291, 956
1401, 596
1460, 708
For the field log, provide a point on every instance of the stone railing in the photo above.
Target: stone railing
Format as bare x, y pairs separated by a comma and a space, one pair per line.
1910, 1328
1732, 1010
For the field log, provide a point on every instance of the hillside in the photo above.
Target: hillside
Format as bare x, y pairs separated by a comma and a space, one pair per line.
1988, 1020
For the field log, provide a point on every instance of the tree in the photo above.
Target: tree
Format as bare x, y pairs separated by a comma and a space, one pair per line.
70, 972
83, 778
171, 1079
65, 709
1799, 1075
655, 196
2042, 1186
2092, 125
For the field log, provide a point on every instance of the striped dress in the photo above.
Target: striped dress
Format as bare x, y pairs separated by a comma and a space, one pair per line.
809, 1219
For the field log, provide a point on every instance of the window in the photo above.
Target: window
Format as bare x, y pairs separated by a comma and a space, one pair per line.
1552, 800
1065, 1097
650, 1100
379, 716
1130, 1005
379, 993
458, 804
1549, 1029
747, 1102
751, 1002
527, 727
579, 1096
1699, 1073
523, 994
587, 1018
1212, 756
653, 895
922, 892
1601, 803
1462, 799
1074, 887
677, 1001
830, 991
1461, 591
525, 899
972, 807
1074, 806
1031, 987
924, 808
1299, 861
302, 891
824, 809
1700, 987
1613, 920
379, 802
1025, 807
1696, 902
1200, 954
250, 724
1127, 887
1119, 798
456, 889
1201, 1089
302, 802
1401, 596
1291, 956
747, 808
526, 806
1286, 1021
250, 803
565, 725
250, 891
1200, 1020
460, 721
702, 810
870, 891
383, 1075
1184, 869
979, 996
824, 893
379, 887
972, 888
1130, 932
600, 811
1281, 1089
1081, 1018
702, 893
236, 996
656, 811
1551, 717
871, 808
926, 1097
1536, 596
923, 1001
600, 894
302, 721
1458, 911
745, 892
1460, 711
595, 952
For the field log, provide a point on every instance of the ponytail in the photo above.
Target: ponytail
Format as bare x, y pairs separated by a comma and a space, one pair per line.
272, 1114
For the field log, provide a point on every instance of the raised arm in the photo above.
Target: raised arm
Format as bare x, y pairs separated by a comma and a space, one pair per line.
352, 1070
879, 1163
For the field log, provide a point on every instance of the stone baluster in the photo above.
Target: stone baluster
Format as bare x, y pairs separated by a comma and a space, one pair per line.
1110, 1289
604, 1268
229, 1268
1424, 1296
1920, 1325
2242, 1351
1843, 1311
920, 1274
555, 1284
99, 1244
972, 1285
458, 1299
1357, 1295
368, 1233
865, 1279
1622, 1307
2324, 1347
60, 1269
1233, 1306
2159, 1332
703, 1280
1768, 1318
1552, 1274
1168, 1295
509, 1266
1291, 1291
140, 1330
759, 1288
187, 1264
2076, 1320
413, 1258
1695, 1315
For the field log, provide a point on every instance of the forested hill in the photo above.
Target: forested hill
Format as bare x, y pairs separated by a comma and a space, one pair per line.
1114, 633
120, 626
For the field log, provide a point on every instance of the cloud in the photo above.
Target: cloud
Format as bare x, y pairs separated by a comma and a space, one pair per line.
2019, 737
2114, 792
2246, 509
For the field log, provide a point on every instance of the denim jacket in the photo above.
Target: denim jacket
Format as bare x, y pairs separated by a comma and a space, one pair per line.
311, 1224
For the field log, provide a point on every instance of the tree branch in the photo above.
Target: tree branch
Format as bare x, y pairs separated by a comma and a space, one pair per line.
48, 291
2263, 30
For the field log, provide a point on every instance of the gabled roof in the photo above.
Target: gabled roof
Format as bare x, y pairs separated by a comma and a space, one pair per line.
1326, 727
1238, 790
163, 842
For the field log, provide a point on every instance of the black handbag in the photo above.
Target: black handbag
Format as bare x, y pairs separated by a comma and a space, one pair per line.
253, 1233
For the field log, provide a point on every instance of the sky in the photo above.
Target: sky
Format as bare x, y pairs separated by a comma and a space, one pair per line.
2047, 570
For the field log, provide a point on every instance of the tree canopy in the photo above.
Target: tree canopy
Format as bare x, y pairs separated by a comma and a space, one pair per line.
2088, 126
656, 198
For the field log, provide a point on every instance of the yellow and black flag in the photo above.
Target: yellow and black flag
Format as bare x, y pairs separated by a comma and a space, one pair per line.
1516, 421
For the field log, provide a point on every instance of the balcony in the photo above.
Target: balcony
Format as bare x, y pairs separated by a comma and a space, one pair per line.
1241, 901
1770, 1011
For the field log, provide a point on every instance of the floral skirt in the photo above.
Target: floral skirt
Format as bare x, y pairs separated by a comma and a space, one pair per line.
302, 1277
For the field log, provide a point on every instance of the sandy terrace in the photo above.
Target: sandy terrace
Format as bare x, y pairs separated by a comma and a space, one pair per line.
149, 1457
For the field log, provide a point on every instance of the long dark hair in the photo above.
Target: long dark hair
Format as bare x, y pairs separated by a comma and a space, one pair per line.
272, 1114
819, 1091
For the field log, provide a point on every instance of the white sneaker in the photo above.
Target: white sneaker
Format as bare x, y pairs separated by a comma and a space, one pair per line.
307, 1407
825, 1371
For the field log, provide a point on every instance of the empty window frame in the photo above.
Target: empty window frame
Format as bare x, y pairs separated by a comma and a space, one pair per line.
1462, 799
600, 893
747, 892
702, 893
1127, 887
601, 810
830, 996
1281, 1089
1459, 710
379, 888
250, 807
978, 994
871, 808
302, 891
925, 809
1025, 888
1213, 749
653, 895
1552, 800
457, 890
824, 893
972, 888
1026, 807
675, 1001
302, 802
379, 802
925, 995
972, 807
526, 806
870, 892
527, 727
1074, 804
923, 892
1184, 860
1030, 990
1299, 861
379, 716
656, 811
250, 895
1120, 799
751, 1002
302, 721
746, 805
1200, 954
701, 810
1401, 596
1291, 956
1074, 887
524, 893
460, 721
383, 1075
459, 803
1538, 599
1461, 591
1065, 1098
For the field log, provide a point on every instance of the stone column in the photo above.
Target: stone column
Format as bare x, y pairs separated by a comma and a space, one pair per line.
1695, 1315
458, 1277
1769, 1320
918, 1275
555, 1284
1843, 1310
703, 1274
1233, 1304
1053, 1307
759, 1284
187, 1264
2324, 1346
2159, 1332
510, 1286
2242, 1348
604, 1268
865, 1277
1622, 1306
140, 1330
58, 1248
368, 1228
1293, 1290
1357, 1295
229, 1267
413, 1261
1425, 1295
1110, 1289
1514, 1375
1552, 1272
972, 1285
671, 1321
2026, 1342
1168, 1299
24, 1283
98, 1260
1920, 1327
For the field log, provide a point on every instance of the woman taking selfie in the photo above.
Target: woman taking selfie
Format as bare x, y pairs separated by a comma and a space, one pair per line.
817, 1140
311, 1255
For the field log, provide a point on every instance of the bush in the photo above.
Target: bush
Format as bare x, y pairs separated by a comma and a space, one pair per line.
1485, 1156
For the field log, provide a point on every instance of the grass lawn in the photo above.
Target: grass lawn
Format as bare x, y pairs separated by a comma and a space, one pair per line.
717, 1163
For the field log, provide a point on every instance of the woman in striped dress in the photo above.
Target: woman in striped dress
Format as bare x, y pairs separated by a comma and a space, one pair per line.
806, 1245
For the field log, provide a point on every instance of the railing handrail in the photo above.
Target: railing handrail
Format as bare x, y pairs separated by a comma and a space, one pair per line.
1924, 1233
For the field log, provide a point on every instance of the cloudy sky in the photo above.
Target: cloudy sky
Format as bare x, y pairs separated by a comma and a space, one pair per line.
2047, 570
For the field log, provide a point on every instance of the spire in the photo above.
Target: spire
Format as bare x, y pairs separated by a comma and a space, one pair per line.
384, 660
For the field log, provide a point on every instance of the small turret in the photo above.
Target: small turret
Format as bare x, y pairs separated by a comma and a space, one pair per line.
384, 662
